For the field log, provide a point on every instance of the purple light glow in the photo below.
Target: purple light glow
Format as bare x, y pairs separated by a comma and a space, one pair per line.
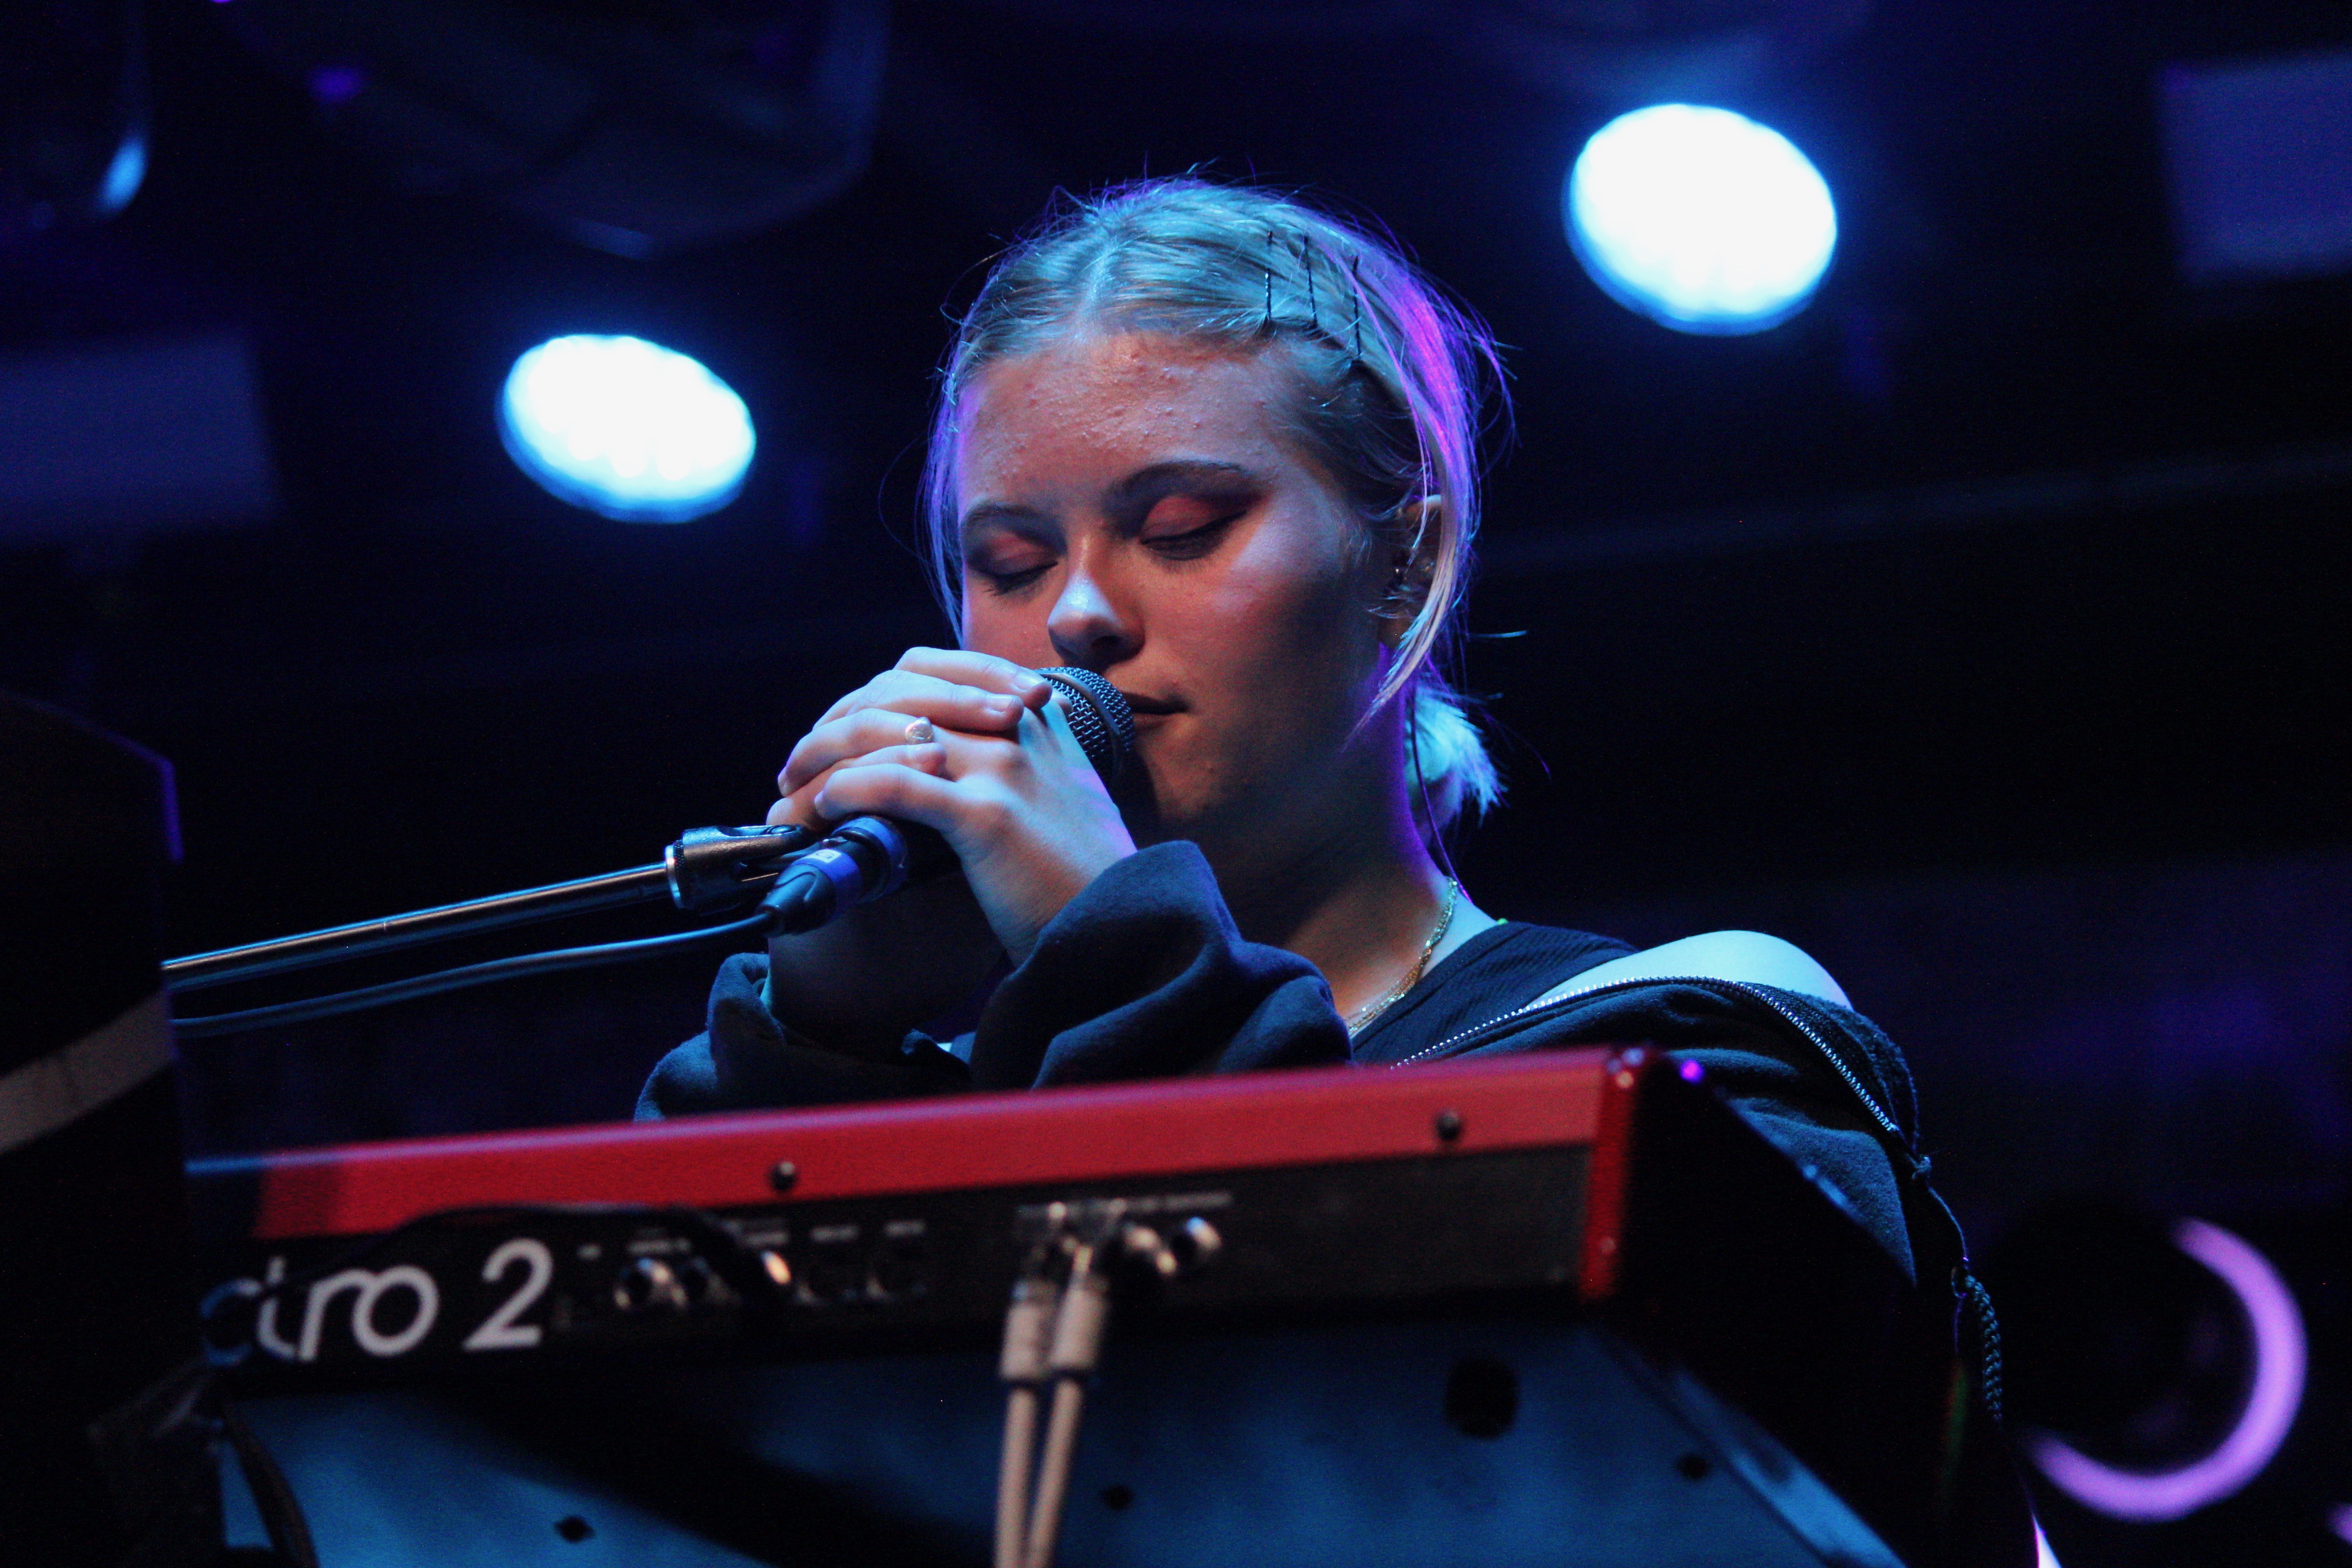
1692, 1072
2339, 1519
337, 84
2271, 1404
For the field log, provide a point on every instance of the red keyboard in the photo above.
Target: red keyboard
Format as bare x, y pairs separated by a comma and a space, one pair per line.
1334, 1186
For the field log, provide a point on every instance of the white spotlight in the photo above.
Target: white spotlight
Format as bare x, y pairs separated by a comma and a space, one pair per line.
626, 429
1700, 218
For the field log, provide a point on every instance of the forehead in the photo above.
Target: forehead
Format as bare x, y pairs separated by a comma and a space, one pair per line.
1088, 405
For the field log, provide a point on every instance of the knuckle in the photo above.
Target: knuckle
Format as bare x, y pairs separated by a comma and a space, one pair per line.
988, 813
1003, 675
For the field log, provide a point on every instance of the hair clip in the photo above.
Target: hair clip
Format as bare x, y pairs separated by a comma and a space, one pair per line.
1306, 265
1356, 327
1266, 324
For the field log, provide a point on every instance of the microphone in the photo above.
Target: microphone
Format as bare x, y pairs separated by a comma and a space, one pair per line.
869, 857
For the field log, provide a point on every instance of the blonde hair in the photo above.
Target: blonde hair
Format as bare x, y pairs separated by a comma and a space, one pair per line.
1392, 377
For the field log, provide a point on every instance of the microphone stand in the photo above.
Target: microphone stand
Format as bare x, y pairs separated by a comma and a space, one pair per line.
706, 871
799, 877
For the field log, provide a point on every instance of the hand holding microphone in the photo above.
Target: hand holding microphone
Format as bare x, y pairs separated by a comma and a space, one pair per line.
959, 757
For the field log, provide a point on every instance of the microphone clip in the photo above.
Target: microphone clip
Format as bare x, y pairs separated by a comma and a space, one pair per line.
864, 858
714, 868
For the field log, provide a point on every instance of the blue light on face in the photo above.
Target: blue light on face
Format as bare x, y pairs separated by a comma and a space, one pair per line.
1699, 218
626, 429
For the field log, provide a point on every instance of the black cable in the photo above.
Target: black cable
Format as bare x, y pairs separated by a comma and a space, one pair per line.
1985, 1330
280, 1510
550, 962
1421, 787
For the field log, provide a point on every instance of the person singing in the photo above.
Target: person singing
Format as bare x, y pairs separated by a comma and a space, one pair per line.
1220, 447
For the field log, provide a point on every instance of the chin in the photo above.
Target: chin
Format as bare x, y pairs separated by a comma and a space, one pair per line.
1156, 808
1216, 821
1219, 802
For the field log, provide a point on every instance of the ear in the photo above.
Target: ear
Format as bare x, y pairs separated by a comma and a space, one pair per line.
1413, 566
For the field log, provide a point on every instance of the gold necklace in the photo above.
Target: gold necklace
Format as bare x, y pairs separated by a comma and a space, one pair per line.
1364, 1016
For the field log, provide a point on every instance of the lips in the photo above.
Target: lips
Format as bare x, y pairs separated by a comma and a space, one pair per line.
1150, 705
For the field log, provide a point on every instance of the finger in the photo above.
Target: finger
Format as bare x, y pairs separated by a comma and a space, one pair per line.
865, 730
981, 669
888, 789
859, 734
950, 702
800, 800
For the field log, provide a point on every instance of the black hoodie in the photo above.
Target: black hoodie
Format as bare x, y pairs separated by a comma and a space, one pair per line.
1144, 975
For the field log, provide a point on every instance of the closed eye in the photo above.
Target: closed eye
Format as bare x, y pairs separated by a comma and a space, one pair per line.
1007, 579
1187, 527
1193, 543
1005, 550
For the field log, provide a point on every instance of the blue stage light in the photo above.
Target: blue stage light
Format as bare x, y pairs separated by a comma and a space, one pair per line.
1700, 218
626, 429
124, 174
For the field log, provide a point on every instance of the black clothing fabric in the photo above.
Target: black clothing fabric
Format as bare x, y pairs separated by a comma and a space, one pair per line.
1144, 975
1501, 968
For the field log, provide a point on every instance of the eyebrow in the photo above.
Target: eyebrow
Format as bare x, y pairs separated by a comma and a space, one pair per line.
1136, 491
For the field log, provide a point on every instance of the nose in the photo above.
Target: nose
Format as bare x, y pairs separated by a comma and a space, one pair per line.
1089, 627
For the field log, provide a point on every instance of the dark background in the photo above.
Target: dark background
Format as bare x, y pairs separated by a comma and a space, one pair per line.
1981, 628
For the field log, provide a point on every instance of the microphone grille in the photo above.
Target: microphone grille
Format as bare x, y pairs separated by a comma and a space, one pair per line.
1099, 717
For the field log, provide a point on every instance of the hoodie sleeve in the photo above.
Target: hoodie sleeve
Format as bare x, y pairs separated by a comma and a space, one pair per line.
1143, 974
744, 1059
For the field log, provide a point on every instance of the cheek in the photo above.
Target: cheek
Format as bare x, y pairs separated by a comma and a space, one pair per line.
1014, 631
1296, 607
1276, 655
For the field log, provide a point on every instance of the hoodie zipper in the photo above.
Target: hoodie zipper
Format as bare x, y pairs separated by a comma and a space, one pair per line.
1966, 1290
1753, 992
